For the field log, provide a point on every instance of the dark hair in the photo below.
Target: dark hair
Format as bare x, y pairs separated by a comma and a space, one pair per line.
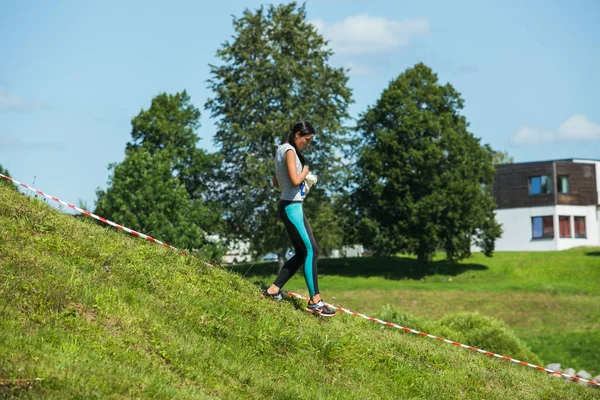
304, 128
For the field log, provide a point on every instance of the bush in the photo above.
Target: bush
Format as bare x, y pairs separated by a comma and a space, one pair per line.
472, 329
390, 314
489, 334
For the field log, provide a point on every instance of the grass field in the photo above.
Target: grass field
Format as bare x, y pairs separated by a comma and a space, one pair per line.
549, 299
96, 314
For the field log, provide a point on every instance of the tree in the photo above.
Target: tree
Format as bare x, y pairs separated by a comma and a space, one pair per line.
501, 157
144, 195
162, 187
273, 73
4, 181
324, 220
423, 181
170, 125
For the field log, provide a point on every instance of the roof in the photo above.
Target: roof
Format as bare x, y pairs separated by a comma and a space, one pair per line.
555, 160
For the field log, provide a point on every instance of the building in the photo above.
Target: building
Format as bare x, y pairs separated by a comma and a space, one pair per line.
355, 250
238, 251
548, 205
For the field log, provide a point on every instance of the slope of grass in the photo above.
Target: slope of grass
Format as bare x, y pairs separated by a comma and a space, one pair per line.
550, 299
97, 314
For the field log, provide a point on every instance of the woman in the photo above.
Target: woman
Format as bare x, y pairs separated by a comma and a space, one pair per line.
294, 180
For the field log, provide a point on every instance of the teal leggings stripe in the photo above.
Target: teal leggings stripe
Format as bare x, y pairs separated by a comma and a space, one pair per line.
305, 246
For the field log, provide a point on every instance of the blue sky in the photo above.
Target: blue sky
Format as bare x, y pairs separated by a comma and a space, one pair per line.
73, 74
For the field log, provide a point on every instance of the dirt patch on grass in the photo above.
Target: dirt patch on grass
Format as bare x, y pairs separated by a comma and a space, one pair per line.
13, 388
112, 325
82, 310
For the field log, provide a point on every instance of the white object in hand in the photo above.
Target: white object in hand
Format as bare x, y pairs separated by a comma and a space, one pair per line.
311, 179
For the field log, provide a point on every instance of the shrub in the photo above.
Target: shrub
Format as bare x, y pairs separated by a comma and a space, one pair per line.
489, 334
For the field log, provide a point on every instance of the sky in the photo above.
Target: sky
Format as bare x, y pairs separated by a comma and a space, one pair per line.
73, 74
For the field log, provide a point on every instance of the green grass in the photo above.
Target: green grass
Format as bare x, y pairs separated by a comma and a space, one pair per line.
573, 271
539, 295
98, 314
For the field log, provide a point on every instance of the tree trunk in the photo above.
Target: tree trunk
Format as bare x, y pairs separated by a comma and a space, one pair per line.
424, 257
280, 261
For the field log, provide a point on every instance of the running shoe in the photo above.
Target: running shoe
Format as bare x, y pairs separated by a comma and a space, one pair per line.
320, 309
275, 297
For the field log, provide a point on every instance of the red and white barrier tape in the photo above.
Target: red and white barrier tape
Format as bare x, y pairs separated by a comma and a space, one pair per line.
489, 353
138, 234
106, 221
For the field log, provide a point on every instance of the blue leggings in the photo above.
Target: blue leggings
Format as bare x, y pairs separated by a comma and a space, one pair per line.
304, 243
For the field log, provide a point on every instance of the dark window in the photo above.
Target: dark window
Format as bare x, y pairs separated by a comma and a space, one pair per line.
542, 227
563, 185
564, 226
579, 223
540, 185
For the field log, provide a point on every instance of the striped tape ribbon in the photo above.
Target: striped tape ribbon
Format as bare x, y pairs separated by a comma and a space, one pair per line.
101, 219
344, 310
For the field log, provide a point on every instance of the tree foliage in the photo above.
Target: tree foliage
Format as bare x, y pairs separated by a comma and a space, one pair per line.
4, 181
170, 125
502, 157
145, 196
423, 181
161, 186
274, 72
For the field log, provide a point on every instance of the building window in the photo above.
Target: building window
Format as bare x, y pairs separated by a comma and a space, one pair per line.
540, 185
563, 185
542, 227
579, 223
564, 226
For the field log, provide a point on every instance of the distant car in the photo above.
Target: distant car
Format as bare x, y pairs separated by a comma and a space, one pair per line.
271, 257
274, 257
289, 254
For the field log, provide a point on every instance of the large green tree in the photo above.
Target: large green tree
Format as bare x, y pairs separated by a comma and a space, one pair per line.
162, 187
273, 73
423, 180
145, 196
170, 126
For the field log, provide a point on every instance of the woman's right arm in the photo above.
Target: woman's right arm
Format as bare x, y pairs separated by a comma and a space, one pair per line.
290, 161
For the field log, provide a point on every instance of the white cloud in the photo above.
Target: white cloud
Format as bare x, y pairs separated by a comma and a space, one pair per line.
529, 135
8, 101
360, 34
9, 144
576, 129
579, 128
11, 102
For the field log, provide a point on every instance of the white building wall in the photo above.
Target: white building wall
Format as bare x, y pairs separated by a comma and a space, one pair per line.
517, 229
591, 226
355, 250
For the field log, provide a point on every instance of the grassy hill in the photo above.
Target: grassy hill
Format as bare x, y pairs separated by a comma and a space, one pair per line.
97, 314
549, 299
